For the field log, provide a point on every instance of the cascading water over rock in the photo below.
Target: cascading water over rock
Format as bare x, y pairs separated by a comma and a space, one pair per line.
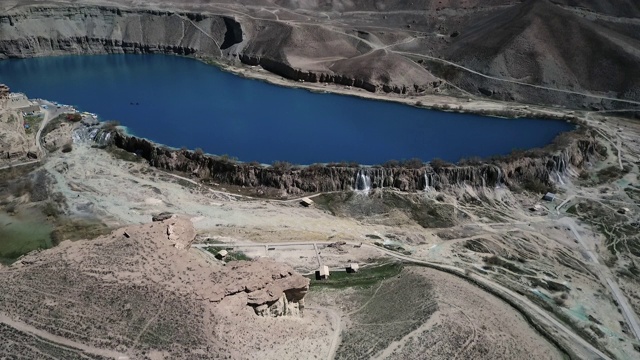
300, 180
363, 181
93, 133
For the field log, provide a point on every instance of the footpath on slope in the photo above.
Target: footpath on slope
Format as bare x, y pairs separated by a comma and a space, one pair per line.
496, 288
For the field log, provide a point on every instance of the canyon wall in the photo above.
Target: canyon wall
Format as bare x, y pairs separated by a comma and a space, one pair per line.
542, 166
275, 46
507, 51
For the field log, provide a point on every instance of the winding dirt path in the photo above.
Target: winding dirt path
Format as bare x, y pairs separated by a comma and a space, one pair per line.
533, 310
515, 81
337, 324
60, 341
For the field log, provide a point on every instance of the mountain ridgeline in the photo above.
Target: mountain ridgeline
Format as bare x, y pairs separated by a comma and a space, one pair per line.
508, 50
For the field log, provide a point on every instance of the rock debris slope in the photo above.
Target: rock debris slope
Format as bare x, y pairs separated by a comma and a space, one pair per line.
143, 290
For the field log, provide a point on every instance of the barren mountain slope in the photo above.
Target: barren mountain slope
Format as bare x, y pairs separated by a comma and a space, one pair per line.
540, 43
141, 292
622, 8
590, 48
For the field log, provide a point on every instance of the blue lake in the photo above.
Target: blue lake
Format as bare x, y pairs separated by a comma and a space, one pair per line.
183, 102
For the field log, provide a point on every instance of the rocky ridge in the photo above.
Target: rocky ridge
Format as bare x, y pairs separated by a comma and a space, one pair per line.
572, 150
270, 288
541, 52
43, 31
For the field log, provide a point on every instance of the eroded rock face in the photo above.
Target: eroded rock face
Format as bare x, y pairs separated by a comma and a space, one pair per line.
55, 30
572, 150
136, 281
271, 288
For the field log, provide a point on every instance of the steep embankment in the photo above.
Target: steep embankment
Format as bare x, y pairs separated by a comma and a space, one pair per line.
537, 42
574, 149
579, 55
278, 47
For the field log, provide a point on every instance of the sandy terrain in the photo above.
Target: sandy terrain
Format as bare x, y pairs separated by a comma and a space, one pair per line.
462, 321
140, 293
543, 259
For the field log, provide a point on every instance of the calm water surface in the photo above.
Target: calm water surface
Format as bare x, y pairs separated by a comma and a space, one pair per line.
183, 102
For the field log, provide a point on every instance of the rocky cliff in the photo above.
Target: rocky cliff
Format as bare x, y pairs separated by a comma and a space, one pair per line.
541, 52
275, 46
271, 288
543, 166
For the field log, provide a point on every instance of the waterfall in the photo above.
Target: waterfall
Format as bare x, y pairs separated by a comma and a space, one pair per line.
95, 134
363, 181
500, 178
560, 168
427, 182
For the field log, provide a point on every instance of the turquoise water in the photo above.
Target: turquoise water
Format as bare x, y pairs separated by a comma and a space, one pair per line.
182, 102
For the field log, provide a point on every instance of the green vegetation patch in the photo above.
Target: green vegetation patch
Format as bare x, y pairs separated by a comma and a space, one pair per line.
32, 124
387, 313
393, 247
499, 262
20, 235
610, 174
78, 229
231, 254
366, 277
633, 194
53, 124
426, 213
120, 154
619, 232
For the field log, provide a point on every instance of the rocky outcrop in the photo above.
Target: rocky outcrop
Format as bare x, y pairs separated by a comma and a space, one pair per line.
270, 288
4, 91
542, 165
178, 234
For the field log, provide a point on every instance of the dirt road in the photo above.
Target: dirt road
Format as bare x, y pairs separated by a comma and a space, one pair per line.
627, 311
541, 314
57, 341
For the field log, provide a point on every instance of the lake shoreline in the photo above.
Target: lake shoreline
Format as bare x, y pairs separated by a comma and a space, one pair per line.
196, 106
445, 103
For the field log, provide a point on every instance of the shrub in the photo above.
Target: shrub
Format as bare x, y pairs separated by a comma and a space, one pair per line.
281, 166
11, 208
537, 186
74, 117
439, 163
414, 163
111, 125
227, 158
50, 210
315, 167
199, 152
472, 161
67, 148
559, 300
391, 164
